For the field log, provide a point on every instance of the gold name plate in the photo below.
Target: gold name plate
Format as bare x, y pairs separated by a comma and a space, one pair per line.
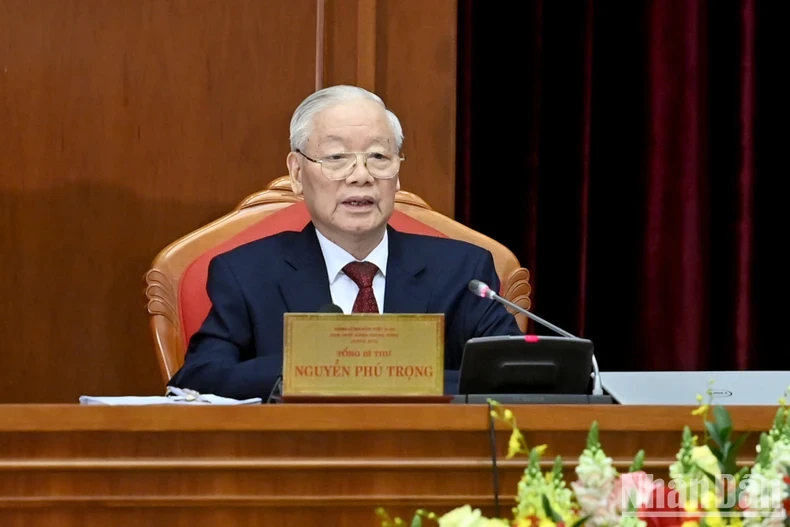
363, 355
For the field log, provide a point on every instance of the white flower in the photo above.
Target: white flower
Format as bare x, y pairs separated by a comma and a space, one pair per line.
762, 498
595, 470
595, 488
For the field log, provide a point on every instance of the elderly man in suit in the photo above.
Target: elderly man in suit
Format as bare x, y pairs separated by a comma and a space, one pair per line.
345, 159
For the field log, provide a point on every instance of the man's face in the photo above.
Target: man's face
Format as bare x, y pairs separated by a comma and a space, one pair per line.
359, 205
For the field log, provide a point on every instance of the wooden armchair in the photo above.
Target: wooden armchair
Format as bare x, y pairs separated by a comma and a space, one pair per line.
175, 284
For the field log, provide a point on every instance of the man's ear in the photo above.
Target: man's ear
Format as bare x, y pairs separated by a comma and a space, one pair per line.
397, 185
295, 172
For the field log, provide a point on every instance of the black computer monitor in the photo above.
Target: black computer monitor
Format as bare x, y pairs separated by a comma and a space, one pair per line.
526, 365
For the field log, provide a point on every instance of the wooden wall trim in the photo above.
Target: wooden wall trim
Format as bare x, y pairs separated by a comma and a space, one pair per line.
404, 51
370, 417
324, 464
366, 44
320, 39
277, 502
310, 475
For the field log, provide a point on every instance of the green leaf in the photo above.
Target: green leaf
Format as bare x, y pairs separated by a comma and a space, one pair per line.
723, 423
730, 461
639, 461
716, 452
580, 521
708, 474
416, 521
725, 451
687, 434
727, 463
592, 436
556, 518
534, 457
557, 469
632, 500
713, 432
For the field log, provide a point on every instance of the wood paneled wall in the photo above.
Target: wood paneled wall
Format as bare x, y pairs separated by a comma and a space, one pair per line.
125, 125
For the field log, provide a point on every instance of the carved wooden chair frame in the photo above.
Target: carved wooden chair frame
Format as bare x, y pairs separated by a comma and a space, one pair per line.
167, 269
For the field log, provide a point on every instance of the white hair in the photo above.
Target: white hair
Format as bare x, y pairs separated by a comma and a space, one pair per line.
303, 118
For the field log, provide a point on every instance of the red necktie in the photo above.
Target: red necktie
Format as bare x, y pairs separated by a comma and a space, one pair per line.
362, 274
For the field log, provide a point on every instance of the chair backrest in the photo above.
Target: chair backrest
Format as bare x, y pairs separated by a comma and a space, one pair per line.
176, 283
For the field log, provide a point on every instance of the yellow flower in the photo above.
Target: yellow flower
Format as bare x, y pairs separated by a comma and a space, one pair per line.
690, 524
702, 410
705, 460
527, 522
516, 445
713, 519
709, 500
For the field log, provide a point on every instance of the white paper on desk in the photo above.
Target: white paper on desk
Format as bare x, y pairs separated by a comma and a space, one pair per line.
209, 400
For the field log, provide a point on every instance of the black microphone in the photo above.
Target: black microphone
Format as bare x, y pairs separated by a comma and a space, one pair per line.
482, 290
274, 394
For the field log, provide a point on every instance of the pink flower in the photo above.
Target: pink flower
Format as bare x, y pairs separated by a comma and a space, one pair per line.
635, 488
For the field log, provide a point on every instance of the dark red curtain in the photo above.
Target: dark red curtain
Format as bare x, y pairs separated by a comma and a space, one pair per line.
631, 155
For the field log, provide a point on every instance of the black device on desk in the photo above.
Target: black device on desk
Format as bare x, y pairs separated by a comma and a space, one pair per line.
527, 369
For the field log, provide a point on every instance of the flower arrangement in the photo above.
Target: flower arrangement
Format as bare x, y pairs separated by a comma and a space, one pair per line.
706, 487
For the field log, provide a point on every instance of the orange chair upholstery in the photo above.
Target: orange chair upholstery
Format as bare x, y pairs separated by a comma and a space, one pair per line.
176, 283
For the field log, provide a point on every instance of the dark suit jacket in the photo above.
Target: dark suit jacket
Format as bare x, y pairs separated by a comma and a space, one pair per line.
238, 350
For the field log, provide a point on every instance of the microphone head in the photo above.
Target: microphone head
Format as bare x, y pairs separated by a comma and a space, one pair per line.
480, 288
330, 308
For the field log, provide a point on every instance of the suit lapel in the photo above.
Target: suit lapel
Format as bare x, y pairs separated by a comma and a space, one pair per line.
405, 291
305, 285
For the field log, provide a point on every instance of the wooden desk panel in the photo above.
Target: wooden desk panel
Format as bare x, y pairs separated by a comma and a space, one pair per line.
294, 465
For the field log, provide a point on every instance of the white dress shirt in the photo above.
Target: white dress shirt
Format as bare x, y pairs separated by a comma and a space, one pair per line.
344, 290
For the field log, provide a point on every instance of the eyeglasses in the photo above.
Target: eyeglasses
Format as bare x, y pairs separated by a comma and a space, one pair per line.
380, 165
